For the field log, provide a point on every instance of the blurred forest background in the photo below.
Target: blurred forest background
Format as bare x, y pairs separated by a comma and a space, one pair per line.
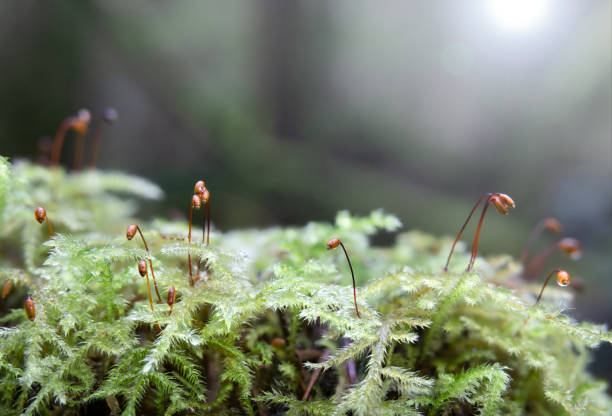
292, 110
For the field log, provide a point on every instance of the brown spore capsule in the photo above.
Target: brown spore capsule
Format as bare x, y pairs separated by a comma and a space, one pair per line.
499, 205
81, 122
571, 247
40, 214
131, 231
199, 187
506, 200
277, 342
205, 195
171, 297
563, 278
333, 243
553, 224
142, 268
6, 289
196, 202
30, 308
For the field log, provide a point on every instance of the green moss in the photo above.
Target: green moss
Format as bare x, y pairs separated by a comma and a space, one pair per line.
272, 307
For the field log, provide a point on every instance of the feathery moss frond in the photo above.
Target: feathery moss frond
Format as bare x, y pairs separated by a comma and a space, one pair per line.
270, 326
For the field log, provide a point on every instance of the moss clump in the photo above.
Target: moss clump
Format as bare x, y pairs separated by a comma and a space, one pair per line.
271, 309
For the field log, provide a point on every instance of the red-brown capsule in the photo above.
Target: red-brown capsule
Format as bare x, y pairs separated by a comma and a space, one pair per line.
40, 214
563, 278
6, 289
506, 200
81, 122
30, 309
277, 342
131, 231
171, 295
553, 225
499, 205
333, 243
142, 268
196, 202
571, 247
205, 195
199, 187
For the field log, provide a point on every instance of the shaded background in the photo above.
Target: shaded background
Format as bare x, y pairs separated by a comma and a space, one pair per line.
292, 110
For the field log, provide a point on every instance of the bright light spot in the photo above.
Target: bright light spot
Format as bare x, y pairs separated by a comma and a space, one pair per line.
518, 15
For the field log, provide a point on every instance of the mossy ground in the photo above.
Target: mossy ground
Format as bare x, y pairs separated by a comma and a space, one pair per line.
272, 307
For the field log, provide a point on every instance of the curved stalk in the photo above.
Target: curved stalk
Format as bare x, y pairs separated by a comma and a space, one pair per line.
487, 195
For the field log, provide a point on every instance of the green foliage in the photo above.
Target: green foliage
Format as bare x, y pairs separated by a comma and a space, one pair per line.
272, 311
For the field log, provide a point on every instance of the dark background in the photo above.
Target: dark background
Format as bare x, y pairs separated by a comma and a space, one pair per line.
292, 110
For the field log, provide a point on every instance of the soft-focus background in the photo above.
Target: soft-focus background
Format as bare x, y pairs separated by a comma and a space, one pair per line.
292, 110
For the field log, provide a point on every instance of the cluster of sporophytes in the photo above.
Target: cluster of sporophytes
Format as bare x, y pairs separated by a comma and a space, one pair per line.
263, 321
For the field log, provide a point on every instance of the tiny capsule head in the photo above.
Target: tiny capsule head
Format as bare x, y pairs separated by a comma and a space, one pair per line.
142, 267
6, 289
110, 115
205, 195
499, 205
40, 214
333, 243
84, 115
81, 122
171, 295
509, 202
196, 202
563, 278
30, 309
277, 342
571, 247
199, 187
131, 231
553, 225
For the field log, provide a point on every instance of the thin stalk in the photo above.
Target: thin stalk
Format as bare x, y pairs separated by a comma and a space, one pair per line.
544, 286
41, 215
537, 231
97, 137
51, 233
149, 292
208, 221
315, 374
540, 295
150, 264
204, 215
487, 195
537, 263
58, 140
476, 237
189, 251
353, 276
79, 148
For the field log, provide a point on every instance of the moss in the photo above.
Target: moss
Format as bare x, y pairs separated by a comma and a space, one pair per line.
272, 308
